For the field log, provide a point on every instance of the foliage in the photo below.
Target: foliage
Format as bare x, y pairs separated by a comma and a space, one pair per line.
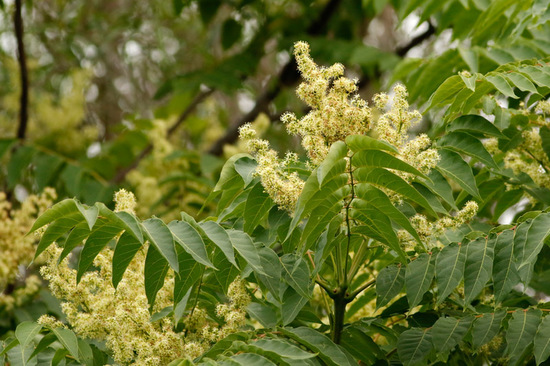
396, 237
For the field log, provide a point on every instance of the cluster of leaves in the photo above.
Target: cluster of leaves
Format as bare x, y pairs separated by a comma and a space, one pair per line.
471, 297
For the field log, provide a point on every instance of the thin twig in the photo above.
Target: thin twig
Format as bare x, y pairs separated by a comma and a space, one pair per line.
22, 60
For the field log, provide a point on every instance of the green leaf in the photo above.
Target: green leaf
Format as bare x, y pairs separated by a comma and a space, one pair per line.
156, 268
327, 351
19, 162
414, 345
5, 145
452, 166
542, 341
75, 238
256, 208
448, 332
536, 75
123, 219
68, 340
252, 359
229, 178
219, 236
502, 85
334, 163
377, 226
389, 283
185, 235
361, 142
418, 278
160, 236
125, 250
57, 211
521, 330
57, 229
449, 269
244, 245
469, 145
296, 274
528, 244
26, 331
476, 124
486, 327
291, 304
521, 82
360, 345
246, 167
231, 32
43, 344
98, 239
447, 91
283, 348
376, 158
478, 268
189, 274
383, 178
505, 273
439, 186
378, 199
89, 213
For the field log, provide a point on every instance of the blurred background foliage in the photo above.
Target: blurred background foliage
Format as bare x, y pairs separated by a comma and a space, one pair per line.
149, 95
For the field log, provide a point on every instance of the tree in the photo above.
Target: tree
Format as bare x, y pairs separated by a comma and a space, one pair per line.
381, 244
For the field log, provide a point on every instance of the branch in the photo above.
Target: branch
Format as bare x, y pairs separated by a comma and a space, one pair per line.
22, 60
182, 117
288, 76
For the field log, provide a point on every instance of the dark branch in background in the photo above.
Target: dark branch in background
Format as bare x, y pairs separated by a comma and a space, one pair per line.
22, 59
289, 75
182, 117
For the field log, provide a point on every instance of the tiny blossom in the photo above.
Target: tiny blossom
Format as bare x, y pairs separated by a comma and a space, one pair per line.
543, 106
17, 248
125, 201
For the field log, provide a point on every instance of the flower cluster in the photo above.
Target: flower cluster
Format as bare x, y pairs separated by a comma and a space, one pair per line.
17, 248
429, 232
529, 156
336, 112
283, 187
393, 126
121, 318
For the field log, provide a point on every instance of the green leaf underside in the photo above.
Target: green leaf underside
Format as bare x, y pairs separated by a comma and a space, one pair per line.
156, 268
389, 283
414, 345
125, 250
386, 179
160, 236
478, 267
190, 240
449, 270
486, 327
448, 332
418, 278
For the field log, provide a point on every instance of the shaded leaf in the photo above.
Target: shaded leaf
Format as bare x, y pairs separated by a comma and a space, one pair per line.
414, 345
190, 240
449, 270
452, 166
418, 278
478, 268
389, 283
486, 327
